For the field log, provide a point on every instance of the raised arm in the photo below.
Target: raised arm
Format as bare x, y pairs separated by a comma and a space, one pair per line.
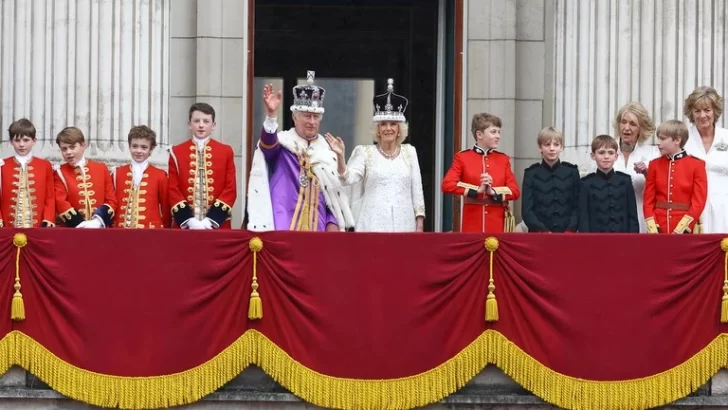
355, 169
268, 136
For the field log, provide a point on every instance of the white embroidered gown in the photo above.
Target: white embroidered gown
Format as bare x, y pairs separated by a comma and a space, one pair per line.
715, 215
386, 193
643, 152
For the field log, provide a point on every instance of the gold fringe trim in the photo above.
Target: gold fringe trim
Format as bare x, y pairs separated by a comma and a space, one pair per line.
724, 301
124, 392
415, 391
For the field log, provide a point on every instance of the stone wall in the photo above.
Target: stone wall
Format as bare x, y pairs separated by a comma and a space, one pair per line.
253, 389
508, 51
106, 66
608, 53
100, 66
208, 43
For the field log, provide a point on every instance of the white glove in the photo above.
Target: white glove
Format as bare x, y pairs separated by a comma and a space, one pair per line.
207, 223
93, 224
194, 224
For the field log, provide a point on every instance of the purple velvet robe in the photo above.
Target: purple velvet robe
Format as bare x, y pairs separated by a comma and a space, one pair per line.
285, 183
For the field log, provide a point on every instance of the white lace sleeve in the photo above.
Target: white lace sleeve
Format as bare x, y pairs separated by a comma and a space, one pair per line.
418, 197
356, 168
270, 125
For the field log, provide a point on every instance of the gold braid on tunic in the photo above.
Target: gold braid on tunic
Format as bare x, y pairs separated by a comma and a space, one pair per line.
23, 210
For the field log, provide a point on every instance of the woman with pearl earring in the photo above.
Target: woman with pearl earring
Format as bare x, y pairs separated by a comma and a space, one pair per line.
390, 198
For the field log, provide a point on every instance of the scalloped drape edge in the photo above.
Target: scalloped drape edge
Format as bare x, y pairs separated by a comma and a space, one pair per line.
428, 387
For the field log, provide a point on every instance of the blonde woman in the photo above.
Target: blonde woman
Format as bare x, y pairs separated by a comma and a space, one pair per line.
709, 142
391, 197
635, 129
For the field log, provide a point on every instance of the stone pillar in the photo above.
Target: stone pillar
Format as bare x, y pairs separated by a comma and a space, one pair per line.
101, 66
491, 66
507, 73
654, 52
209, 46
532, 72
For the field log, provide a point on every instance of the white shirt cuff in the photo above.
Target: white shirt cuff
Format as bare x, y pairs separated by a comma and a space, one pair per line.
270, 125
186, 224
101, 221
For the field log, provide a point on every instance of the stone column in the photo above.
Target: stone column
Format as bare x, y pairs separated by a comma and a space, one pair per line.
101, 66
208, 52
491, 66
651, 51
507, 73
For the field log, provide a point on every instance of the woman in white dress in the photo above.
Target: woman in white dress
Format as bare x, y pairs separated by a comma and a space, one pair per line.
709, 142
635, 129
386, 177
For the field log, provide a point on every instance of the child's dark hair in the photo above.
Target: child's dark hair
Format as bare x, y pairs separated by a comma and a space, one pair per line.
604, 141
204, 108
143, 132
70, 135
21, 128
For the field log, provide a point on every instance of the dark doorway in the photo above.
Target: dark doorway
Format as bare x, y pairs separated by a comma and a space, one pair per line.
353, 46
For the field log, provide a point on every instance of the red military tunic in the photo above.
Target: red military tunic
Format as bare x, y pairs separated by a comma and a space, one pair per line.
145, 205
482, 212
81, 194
675, 193
27, 199
202, 187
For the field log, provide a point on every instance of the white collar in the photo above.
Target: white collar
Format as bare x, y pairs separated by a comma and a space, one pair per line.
137, 171
305, 140
80, 163
200, 142
24, 159
141, 166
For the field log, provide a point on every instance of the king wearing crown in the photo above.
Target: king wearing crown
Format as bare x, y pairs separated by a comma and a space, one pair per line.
294, 183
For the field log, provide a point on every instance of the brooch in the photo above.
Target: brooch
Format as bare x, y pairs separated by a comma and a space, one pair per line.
721, 146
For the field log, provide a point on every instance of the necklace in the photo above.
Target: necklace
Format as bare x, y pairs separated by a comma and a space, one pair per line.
386, 155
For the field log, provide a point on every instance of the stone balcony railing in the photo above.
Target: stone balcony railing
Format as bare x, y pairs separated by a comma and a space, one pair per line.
253, 389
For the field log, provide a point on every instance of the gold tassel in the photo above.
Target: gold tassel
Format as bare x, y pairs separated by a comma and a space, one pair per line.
509, 224
491, 304
724, 302
17, 311
255, 308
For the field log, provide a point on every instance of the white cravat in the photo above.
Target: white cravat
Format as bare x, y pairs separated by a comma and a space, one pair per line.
80, 164
137, 171
200, 143
23, 159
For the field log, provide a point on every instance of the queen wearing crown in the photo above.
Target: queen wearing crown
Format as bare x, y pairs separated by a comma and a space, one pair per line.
385, 178
293, 183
